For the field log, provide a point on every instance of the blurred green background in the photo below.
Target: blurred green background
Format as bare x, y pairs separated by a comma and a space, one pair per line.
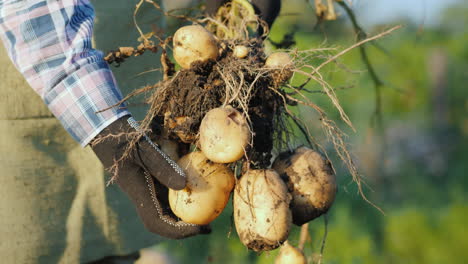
414, 160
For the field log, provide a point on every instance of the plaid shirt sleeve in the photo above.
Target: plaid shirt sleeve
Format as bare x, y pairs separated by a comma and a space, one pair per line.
49, 41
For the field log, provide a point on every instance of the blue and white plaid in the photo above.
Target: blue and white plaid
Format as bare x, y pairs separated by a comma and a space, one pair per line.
49, 41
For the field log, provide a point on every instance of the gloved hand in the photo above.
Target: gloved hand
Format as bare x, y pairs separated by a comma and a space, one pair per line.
268, 10
145, 176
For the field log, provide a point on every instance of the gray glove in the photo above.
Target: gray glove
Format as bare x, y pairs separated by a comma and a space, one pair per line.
145, 177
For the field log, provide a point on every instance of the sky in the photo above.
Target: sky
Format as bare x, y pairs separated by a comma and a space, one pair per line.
423, 12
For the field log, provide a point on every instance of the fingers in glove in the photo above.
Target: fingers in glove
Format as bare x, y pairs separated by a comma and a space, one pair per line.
150, 200
160, 166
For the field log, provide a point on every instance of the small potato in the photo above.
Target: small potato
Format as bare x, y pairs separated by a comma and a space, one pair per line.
240, 51
207, 192
290, 255
194, 43
261, 210
282, 64
311, 181
279, 60
224, 135
152, 256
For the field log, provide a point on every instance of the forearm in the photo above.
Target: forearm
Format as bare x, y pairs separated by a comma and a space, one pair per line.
50, 44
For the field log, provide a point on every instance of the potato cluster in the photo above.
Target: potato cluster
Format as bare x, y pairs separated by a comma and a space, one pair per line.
299, 187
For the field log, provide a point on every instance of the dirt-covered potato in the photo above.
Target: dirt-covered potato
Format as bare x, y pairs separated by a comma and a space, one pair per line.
194, 43
290, 255
224, 135
207, 192
261, 210
282, 64
310, 180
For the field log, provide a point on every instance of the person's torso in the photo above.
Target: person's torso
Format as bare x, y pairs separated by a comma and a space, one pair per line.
55, 206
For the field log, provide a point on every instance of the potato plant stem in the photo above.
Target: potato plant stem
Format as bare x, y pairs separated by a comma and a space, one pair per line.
303, 236
325, 234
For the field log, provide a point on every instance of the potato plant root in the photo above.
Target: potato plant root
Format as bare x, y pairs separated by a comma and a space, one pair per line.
180, 103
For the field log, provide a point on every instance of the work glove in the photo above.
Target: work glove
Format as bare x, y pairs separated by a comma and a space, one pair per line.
267, 10
145, 176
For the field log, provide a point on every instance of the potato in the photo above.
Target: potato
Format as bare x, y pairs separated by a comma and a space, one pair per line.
224, 135
282, 64
152, 256
240, 51
279, 60
261, 210
207, 192
311, 181
290, 255
194, 43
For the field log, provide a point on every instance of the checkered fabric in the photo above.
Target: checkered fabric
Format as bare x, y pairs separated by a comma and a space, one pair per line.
49, 41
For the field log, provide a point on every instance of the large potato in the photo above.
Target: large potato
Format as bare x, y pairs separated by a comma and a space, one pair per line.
194, 43
261, 210
311, 181
207, 192
224, 135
